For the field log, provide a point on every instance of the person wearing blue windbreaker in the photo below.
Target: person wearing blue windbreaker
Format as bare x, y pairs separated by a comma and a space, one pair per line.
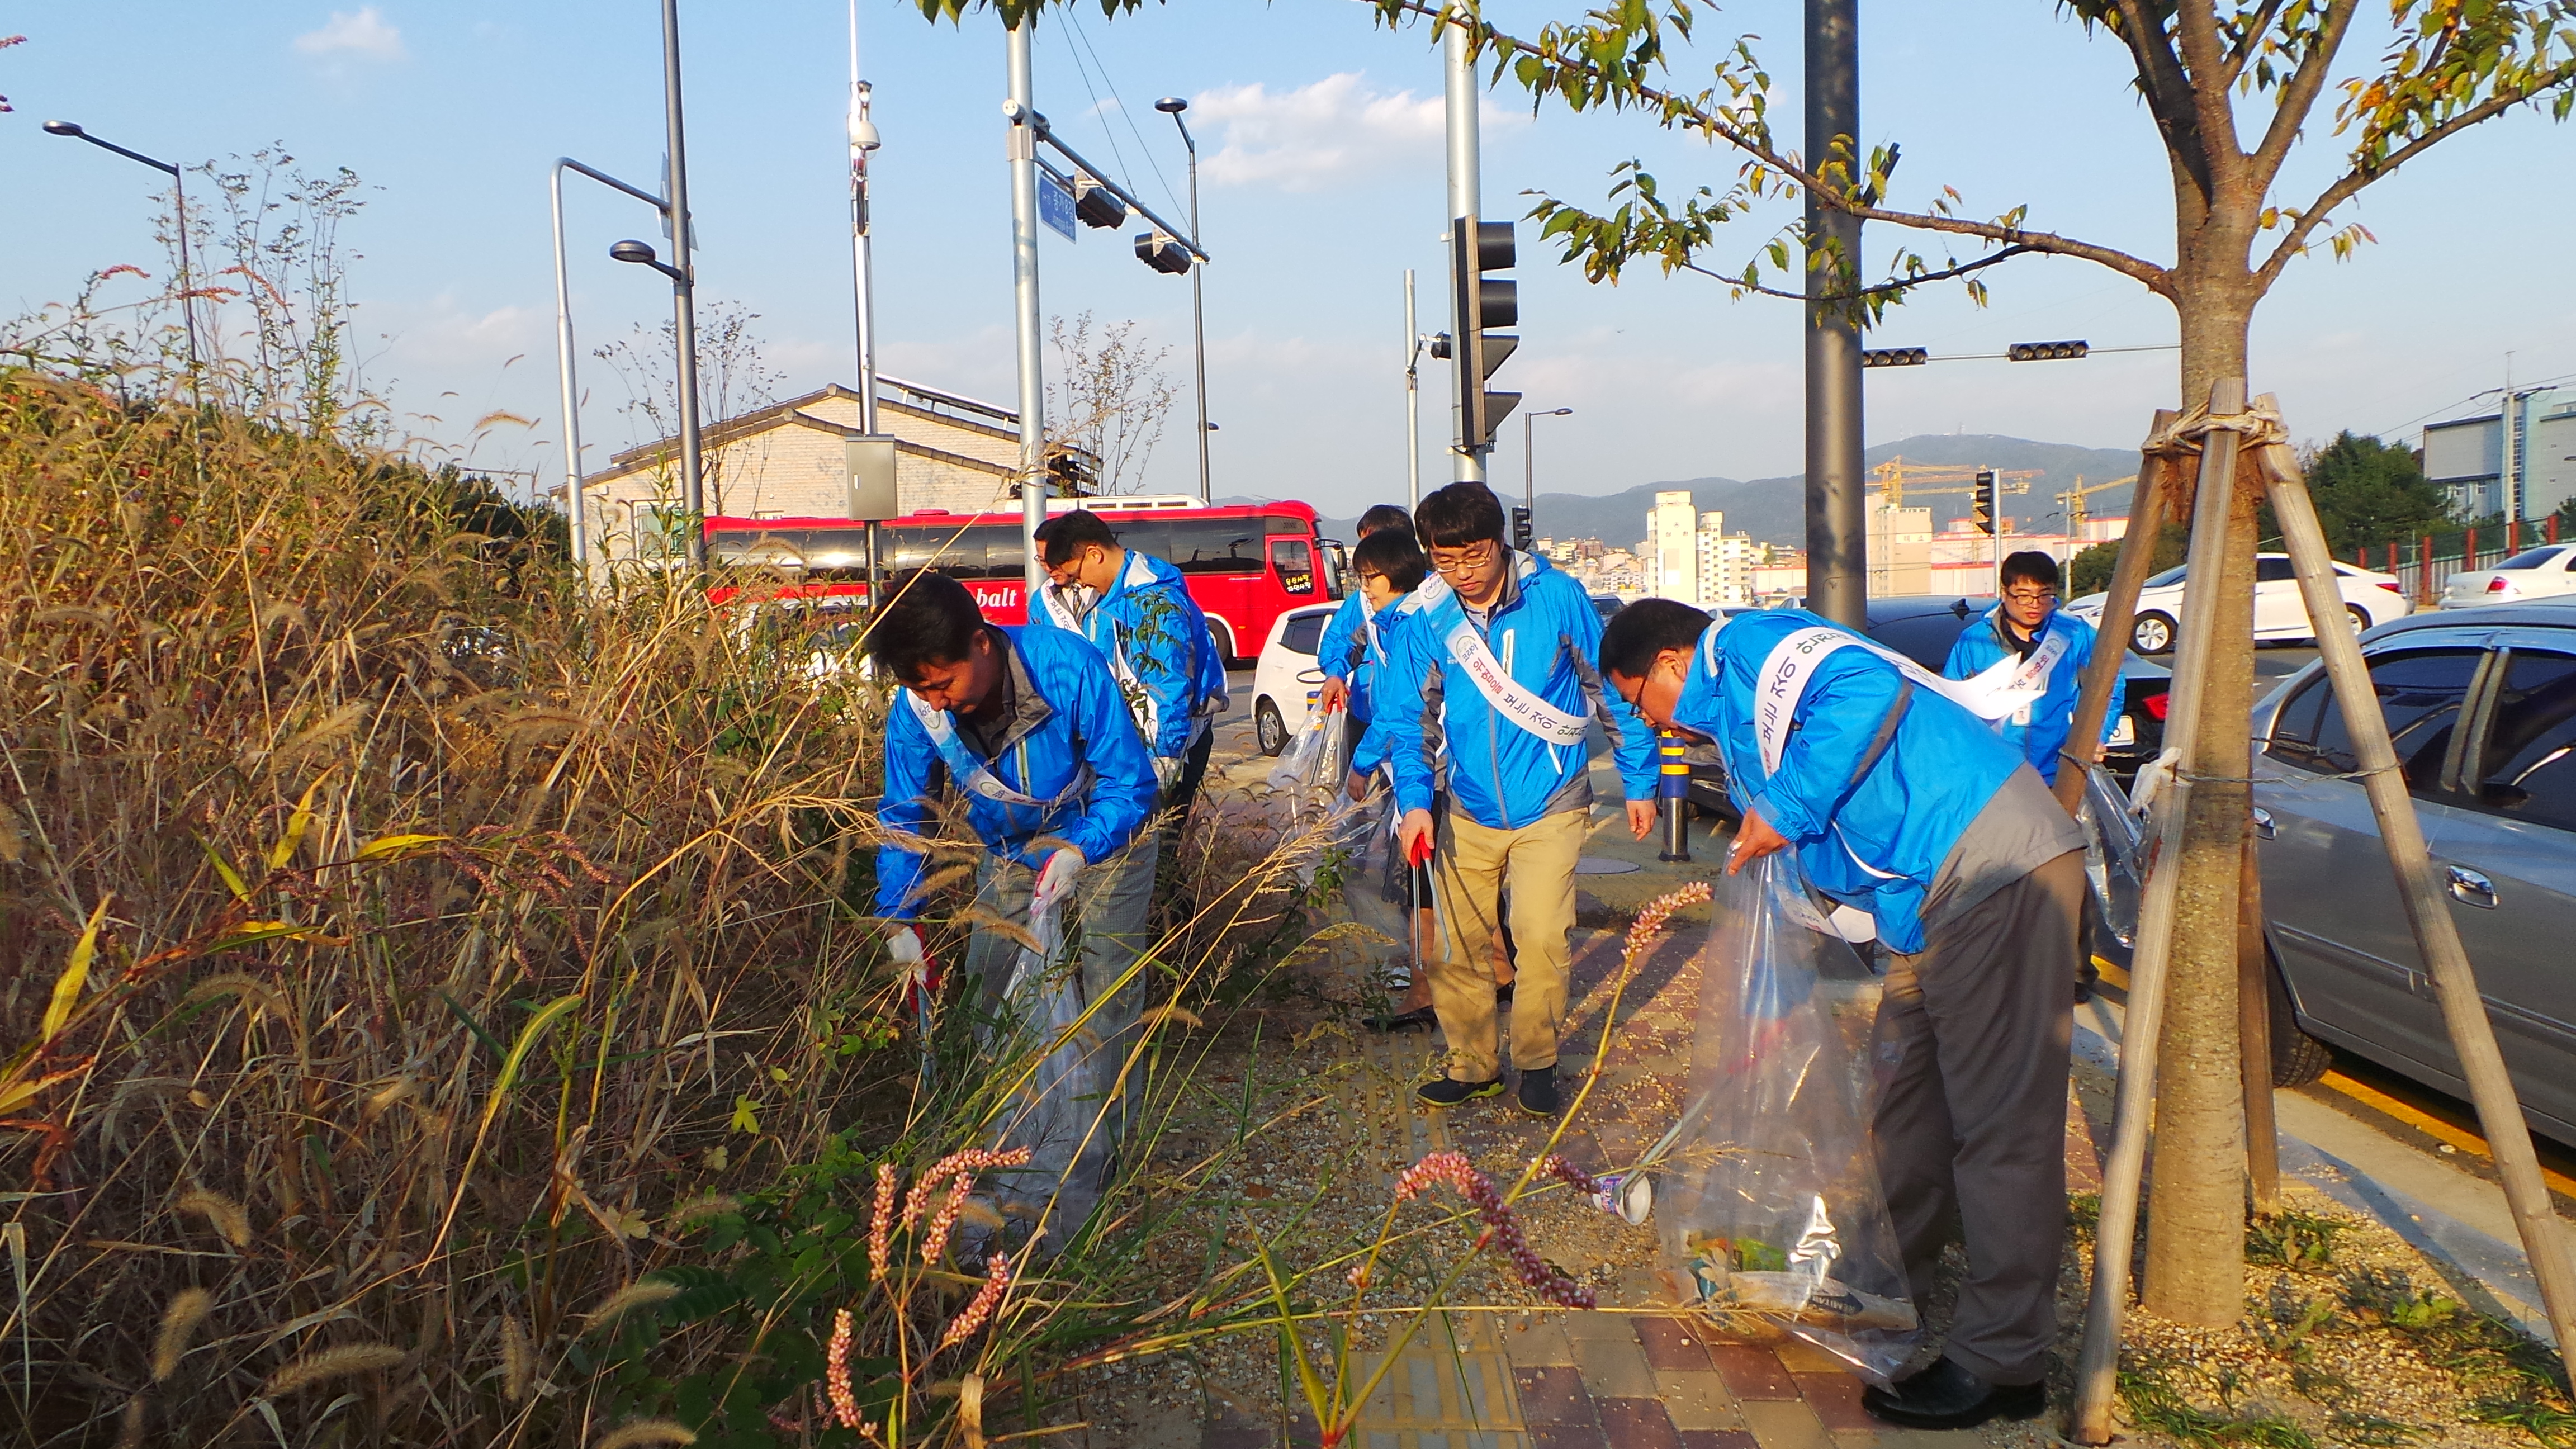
1137, 611
1896, 798
1487, 695
2047, 651
1030, 726
1340, 653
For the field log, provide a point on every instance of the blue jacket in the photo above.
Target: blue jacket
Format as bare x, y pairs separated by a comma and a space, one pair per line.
1333, 653
1067, 715
1872, 798
2040, 730
1372, 750
1157, 642
1546, 635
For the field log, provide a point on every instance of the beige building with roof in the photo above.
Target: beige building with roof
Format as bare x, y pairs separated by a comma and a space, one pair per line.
787, 461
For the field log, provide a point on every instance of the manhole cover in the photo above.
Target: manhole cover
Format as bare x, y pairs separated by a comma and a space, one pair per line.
1602, 865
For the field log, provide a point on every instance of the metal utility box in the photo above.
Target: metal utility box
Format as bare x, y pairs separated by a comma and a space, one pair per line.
871, 469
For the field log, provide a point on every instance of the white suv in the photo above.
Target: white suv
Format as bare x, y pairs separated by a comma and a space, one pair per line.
2369, 598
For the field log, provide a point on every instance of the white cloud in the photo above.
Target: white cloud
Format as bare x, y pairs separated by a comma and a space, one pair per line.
1316, 135
363, 35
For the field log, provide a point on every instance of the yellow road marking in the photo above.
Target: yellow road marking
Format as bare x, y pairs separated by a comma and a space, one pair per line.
2380, 1102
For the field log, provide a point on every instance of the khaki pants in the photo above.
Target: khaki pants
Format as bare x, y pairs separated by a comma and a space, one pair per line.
1470, 870
1971, 1051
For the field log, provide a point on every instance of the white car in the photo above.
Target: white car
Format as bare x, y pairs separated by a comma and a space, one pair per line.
2530, 574
1288, 676
2369, 598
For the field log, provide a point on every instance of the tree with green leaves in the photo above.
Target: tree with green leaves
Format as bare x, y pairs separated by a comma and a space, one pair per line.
2369, 492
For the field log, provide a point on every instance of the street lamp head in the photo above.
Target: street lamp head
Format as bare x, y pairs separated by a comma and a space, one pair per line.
1558, 413
63, 128
1171, 105
633, 251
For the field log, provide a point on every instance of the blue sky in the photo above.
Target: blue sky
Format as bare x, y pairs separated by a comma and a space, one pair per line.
1321, 182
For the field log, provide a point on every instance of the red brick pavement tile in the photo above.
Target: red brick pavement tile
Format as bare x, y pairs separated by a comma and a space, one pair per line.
1567, 1436
1669, 1345
1636, 1424
1553, 1397
1753, 1373
1718, 1439
1836, 1400
2083, 1159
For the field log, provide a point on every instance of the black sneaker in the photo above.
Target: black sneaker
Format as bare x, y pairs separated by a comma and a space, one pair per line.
1449, 1093
1947, 1396
1538, 1093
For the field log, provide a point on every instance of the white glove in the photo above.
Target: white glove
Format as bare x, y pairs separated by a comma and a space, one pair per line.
1166, 770
904, 945
1055, 880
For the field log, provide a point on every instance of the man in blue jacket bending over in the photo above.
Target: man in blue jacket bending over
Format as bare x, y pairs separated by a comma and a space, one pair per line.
1029, 725
1899, 800
1137, 611
1491, 684
2046, 651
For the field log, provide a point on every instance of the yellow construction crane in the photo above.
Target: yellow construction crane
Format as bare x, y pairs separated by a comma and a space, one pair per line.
1895, 476
2074, 497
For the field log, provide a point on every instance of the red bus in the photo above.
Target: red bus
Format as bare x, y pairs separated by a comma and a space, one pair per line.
1245, 564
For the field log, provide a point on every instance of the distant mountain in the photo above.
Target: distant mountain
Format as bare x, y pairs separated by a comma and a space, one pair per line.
1773, 510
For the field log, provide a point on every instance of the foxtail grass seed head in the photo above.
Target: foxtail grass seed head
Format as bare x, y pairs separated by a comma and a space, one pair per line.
987, 1298
518, 1360
178, 1324
1542, 1277
639, 1432
129, 1426
642, 1293
881, 1223
221, 1213
329, 1364
1172, 1015
836, 1371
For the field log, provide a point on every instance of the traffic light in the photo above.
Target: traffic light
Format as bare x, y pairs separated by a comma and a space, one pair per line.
1096, 205
1982, 512
1894, 357
2045, 351
1475, 248
1524, 532
1163, 253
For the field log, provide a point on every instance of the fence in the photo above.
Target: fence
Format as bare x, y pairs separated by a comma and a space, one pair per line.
2425, 565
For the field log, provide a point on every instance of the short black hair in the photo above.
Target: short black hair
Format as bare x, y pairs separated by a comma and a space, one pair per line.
1644, 629
1458, 515
1392, 552
1383, 516
2030, 566
928, 618
1064, 535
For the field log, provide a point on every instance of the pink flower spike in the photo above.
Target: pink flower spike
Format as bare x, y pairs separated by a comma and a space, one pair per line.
836, 1371
986, 1299
881, 1223
1454, 1169
934, 1239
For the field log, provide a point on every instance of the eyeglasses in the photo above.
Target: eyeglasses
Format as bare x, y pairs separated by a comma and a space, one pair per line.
2030, 596
1465, 562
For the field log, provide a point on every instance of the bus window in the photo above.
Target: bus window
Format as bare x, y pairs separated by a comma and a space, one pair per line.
1295, 560
1196, 546
1337, 569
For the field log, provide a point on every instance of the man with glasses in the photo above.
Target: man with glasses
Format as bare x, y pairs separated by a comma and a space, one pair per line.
1487, 693
2024, 643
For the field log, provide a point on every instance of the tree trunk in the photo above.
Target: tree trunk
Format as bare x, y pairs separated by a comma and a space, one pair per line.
2196, 1207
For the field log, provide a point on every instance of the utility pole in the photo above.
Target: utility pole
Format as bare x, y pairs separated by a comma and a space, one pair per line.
1465, 201
1173, 106
1022, 110
863, 139
693, 499
1837, 541
1412, 399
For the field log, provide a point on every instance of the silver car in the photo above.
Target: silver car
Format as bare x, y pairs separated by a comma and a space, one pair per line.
2482, 709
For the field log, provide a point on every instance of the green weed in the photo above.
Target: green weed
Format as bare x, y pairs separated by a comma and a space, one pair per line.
2300, 1241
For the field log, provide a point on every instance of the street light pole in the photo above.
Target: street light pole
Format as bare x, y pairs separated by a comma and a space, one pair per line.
1172, 106
1023, 150
1412, 399
863, 139
576, 508
684, 286
1529, 463
179, 197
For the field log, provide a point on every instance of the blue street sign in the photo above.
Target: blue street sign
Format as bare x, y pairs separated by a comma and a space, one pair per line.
1055, 204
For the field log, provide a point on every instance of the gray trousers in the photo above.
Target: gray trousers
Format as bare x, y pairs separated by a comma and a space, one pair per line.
1070, 1108
1971, 1052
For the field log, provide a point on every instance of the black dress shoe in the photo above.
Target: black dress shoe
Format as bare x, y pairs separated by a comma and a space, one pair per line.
1946, 1396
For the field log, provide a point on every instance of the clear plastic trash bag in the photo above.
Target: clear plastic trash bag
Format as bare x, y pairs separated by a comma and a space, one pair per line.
1297, 762
1310, 770
2115, 855
1056, 1113
1771, 1216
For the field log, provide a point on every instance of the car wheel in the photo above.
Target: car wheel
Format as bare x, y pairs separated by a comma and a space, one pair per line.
1268, 727
2297, 1058
2153, 633
2361, 620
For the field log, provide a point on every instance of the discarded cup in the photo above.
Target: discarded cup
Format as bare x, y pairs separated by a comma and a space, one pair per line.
1628, 1196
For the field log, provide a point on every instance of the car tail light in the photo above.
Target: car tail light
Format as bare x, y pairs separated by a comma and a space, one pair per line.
2498, 586
2157, 704
2392, 588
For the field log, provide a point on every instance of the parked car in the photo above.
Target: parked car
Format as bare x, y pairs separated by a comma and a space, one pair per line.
2483, 713
2370, 598
1288, 676
1922, 628
2531, 574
